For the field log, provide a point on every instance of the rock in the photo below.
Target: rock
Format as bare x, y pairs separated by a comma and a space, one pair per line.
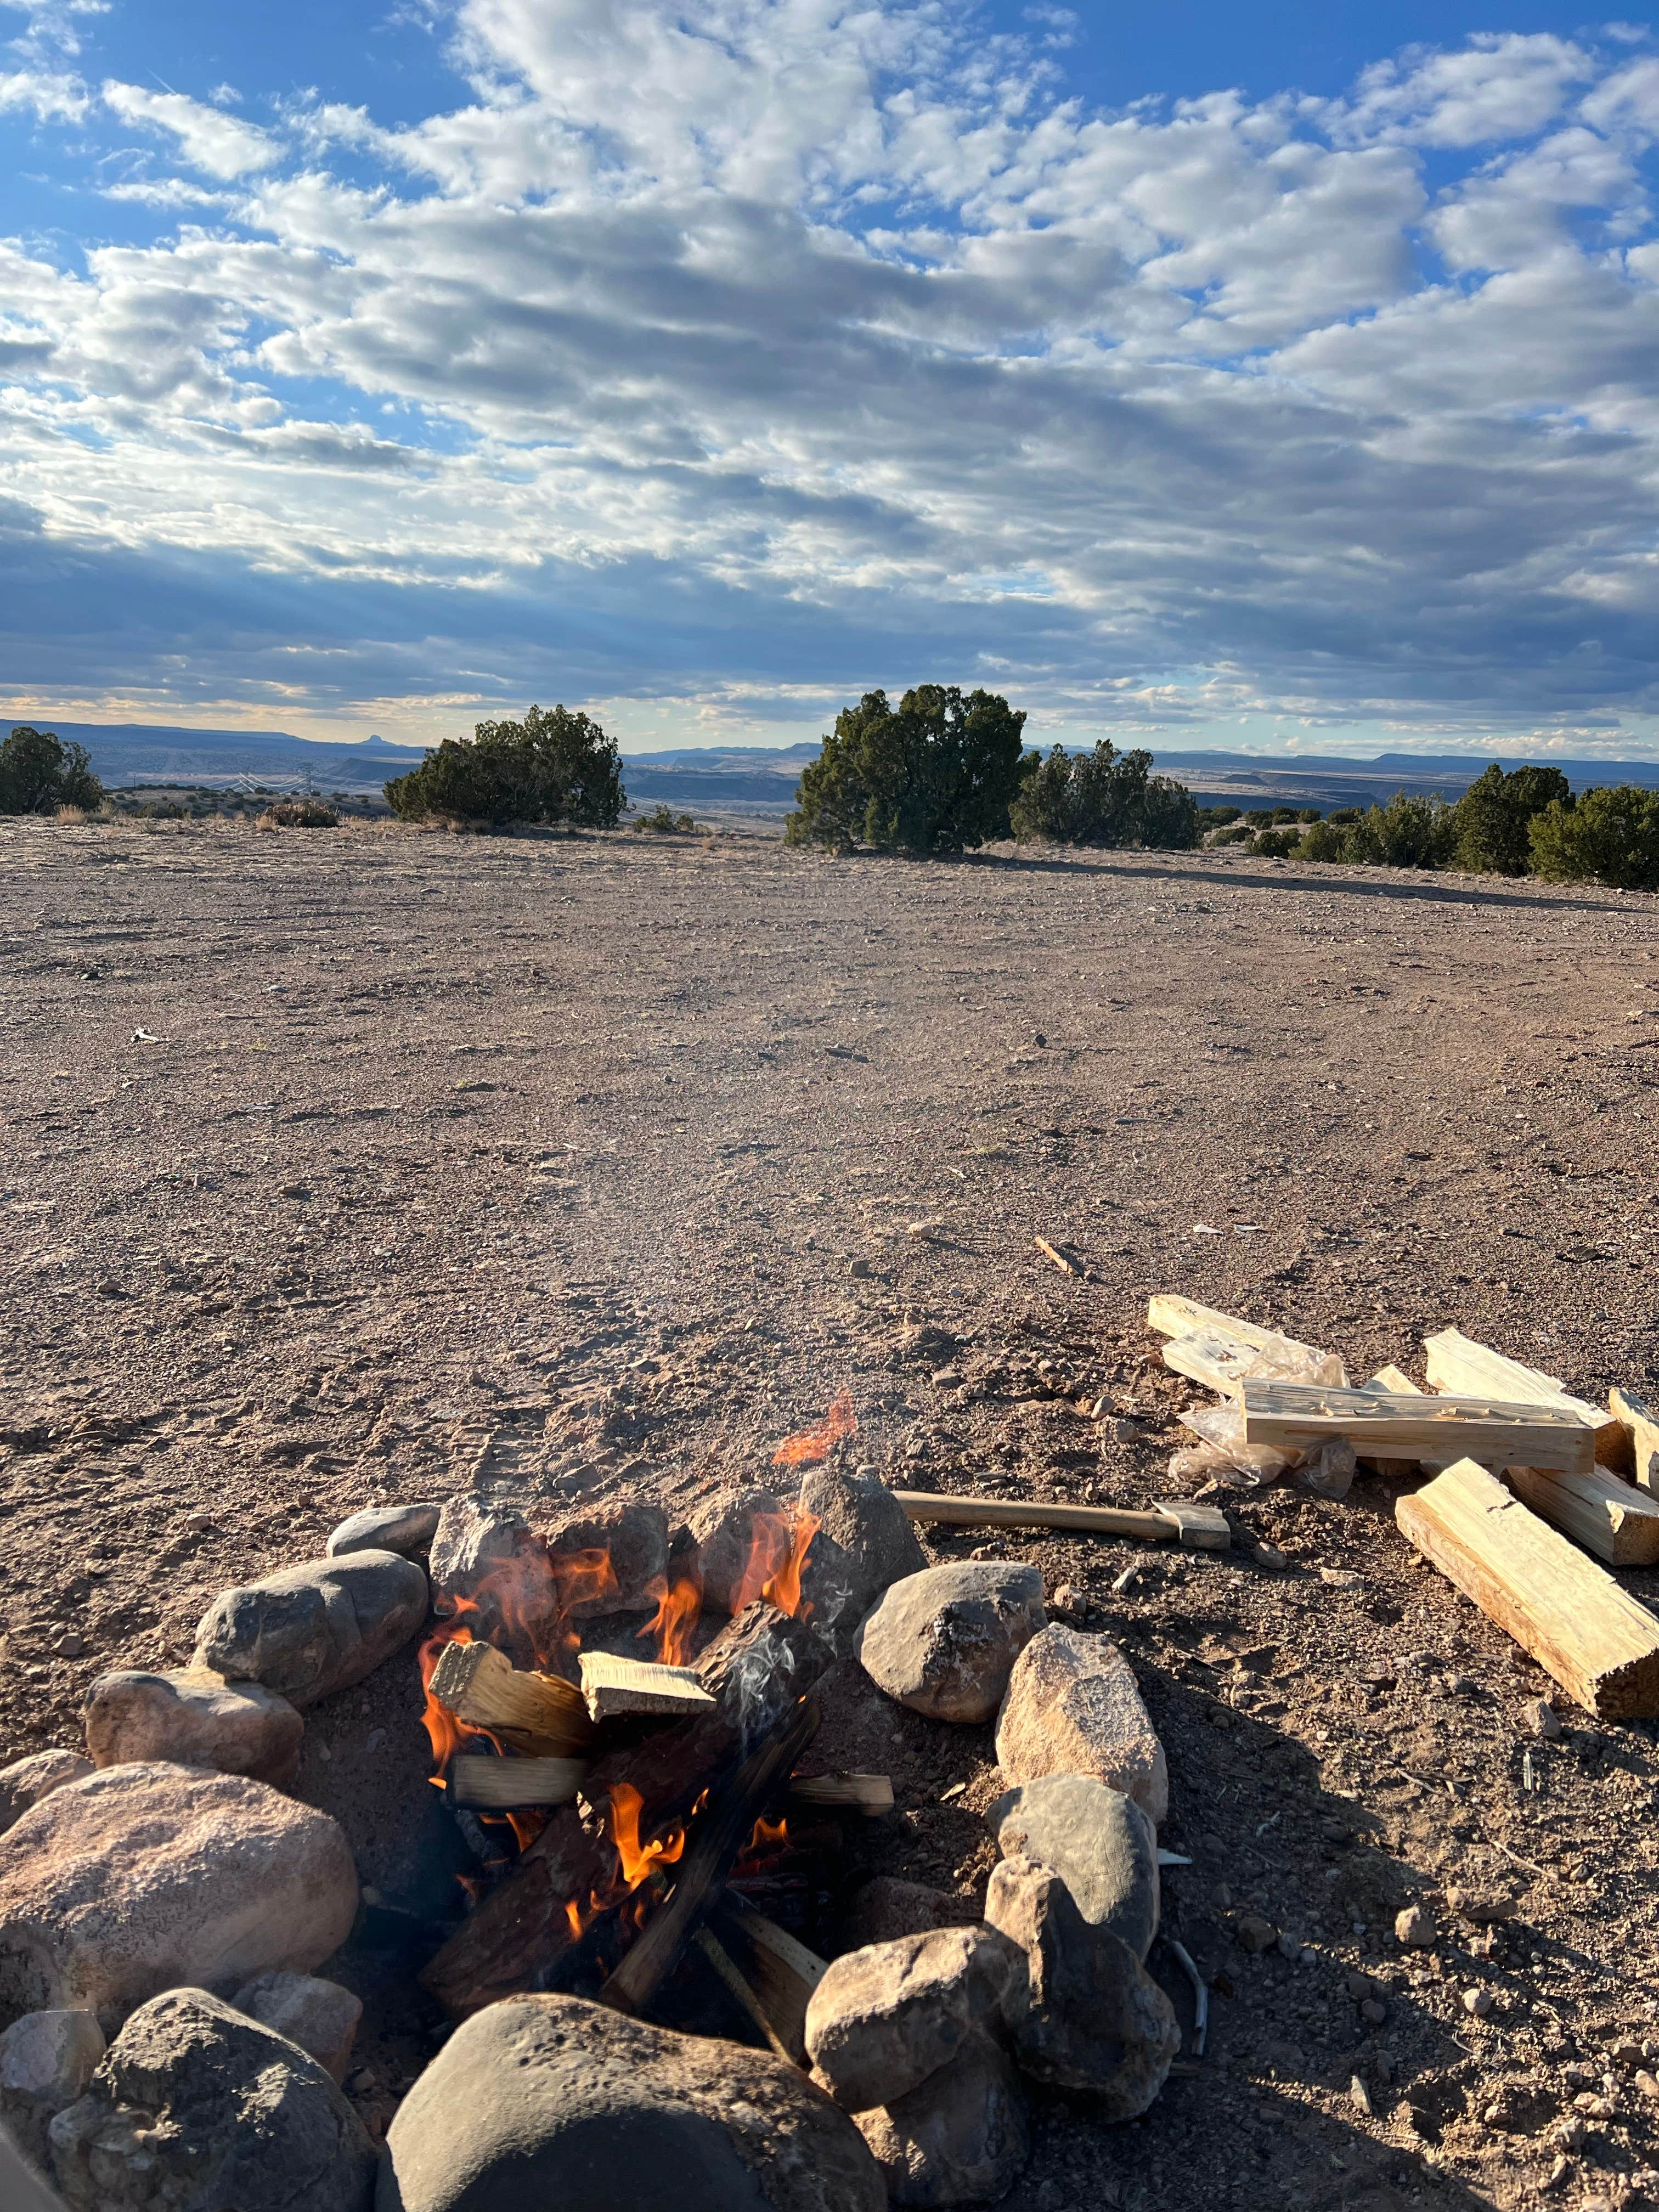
883, 2019
46, 2060
140, 1878
943, 1641
887, 1907
1073, 1707
404, 1529
551, 2100
864, 1543
194, 1719
1254, 1934
630, 1541
743, 1538
1416, 1928
1099, 1842
1479, 2002
1485, 1908
1543, 1720
27, 1781
321, 2017
486, 1557
1093, 2018
959, 2138
310, 1630
195, 2106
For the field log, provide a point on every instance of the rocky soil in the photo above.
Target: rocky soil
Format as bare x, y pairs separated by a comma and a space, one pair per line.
331, 1162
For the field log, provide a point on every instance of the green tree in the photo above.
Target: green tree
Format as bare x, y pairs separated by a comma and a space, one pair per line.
1409, 832
1323, 841
38, 773
1103, 798
1492, 822
935, 774
552, 767
1607, 836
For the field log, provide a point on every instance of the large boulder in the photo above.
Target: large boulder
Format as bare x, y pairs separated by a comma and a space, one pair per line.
27, 1781
1073, 1707
199, 2108
195, 1719
46, 2060
142, 1878
959, 2137
1092, 2018
944, 1641
488, 1563
321, 2017
743, 1538
316, 1628
612, 1559
864, 1542
551, 2100
883, 2019
1100, 1843
405, 1529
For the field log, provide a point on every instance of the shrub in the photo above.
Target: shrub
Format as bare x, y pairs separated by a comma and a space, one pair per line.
1409, 832
1322, 841
553, 767
299, 814
663, 822
1103, 797
1493, 819
1607, 836
1277, 844
1217, 817
1309, 814
38, 774
935, 774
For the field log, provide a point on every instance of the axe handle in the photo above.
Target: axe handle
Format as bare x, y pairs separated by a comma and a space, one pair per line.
1008, 1513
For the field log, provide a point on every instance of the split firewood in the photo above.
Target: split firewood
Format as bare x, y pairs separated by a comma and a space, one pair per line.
781, 1971
1640, 1421
613, 1686
540, 1714
1597, 1642
1460, 1367
1392, 1382
474, 1779
1601, 1512
1300, 1417
726, 1968
522, 1934
1218, 1349
723, 1826
869, 1793
1172, 1520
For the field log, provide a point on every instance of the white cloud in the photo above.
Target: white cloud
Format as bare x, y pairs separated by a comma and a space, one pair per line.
772, 338
208, 138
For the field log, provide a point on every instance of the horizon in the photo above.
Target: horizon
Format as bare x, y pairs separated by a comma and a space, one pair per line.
1281, 384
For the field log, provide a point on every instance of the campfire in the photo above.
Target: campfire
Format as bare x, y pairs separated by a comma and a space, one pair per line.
616, 1779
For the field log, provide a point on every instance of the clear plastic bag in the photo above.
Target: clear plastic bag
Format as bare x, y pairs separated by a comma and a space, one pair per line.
1223, 1452
1328, 1471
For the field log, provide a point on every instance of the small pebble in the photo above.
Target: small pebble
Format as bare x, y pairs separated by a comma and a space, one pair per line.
69, 1647
1646, 2084
1543, 1720
1373, 2012
859, 1270
1415, 1928
1478, 2002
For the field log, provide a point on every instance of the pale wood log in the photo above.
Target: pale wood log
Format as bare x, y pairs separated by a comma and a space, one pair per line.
1299, 1417
1393, 1381
1219, 1362
540, 1714
1599, 1643
725, 1967
1608, 1517
612, 1685
869, 1793
1171, 1314
779, 1970
473, 1779
1198, 1528
1459, 1367
1640, 1421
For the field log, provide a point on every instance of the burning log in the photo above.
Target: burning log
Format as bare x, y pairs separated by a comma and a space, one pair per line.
721, 1832
499, 1784
540, 1714
629, 1817
612, 1686
869, 1793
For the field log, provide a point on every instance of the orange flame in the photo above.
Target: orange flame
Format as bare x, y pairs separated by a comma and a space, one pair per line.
812, 1445
767, 1837
783, 1590
637, 1858
447, 1732
584, 1578
675, 1620
770, 1543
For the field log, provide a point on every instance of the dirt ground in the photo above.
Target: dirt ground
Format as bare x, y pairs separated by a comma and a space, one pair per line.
332, 1160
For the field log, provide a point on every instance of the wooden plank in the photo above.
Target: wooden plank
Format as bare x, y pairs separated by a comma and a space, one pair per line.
782, 1972
1640, 1421
1459, 1367
1606, 1514
1299, 1417
612, 1685
1208, 1356
1598, 1642
1394, 1380
1196, 1528
1172, 1316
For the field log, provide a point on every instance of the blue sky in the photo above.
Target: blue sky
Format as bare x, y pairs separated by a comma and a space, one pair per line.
1201, 375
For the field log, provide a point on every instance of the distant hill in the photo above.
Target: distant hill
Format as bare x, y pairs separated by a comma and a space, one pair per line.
760, 780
